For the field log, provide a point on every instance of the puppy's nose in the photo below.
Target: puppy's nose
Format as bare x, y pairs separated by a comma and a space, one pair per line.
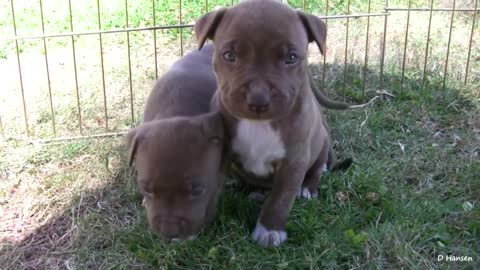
168, 228
258, 103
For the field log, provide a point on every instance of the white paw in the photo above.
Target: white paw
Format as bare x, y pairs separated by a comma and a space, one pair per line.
324, 168
305, 193
268, 238
257, 196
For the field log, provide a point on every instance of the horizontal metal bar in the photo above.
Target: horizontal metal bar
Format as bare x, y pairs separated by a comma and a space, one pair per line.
355, 16
160, 27
122, 30
430, 9
62, 139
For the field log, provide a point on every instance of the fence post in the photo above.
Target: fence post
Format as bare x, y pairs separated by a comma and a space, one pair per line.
384, 45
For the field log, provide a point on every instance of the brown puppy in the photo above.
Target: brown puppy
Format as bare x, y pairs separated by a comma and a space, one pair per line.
178, 149
276, 125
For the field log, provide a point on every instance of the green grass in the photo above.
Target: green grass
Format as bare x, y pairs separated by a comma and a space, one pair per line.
393, 209
75, 204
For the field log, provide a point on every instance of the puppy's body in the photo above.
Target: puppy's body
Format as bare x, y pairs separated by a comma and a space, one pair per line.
264, 90
178, 149
185, 90
259, 147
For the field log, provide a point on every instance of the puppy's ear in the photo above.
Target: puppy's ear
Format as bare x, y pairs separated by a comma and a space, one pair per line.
316, 29
212, 127
133, 140
207, 24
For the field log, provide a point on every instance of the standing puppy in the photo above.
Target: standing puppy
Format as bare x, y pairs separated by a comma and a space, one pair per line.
260, 60
178, 149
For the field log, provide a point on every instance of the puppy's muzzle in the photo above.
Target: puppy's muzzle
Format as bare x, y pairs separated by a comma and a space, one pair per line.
169, 228
258, 103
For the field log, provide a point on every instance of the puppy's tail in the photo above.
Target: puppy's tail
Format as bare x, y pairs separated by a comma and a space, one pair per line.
324, 100
342, 165
334, 165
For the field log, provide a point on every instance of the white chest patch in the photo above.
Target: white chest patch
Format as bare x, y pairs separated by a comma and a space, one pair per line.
258, 145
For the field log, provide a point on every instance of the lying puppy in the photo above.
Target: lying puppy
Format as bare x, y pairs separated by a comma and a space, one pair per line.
178, 149
264, 94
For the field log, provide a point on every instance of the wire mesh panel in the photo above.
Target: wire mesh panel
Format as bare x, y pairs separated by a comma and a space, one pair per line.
84, 68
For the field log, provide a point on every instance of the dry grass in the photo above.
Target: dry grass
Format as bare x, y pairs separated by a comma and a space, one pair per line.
117, 90
74, 204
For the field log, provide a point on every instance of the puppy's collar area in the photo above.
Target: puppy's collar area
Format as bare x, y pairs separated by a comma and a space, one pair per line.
256, 121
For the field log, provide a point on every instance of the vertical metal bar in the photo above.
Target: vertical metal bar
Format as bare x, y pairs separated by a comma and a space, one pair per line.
181, 29
366, 50
325, 52
406, 44
428, 45
103, 68
470, 43
129, 65
20, 71
206, 6
346, 48
1, 127
155, 39
304, 5
75, 69
384, 45
48, 71
448, 46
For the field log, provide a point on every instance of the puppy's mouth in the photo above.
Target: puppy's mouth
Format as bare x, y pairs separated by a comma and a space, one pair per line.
184, 239
244, 113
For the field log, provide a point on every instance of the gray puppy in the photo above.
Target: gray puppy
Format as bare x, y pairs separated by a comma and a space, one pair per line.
265, 96
178, 149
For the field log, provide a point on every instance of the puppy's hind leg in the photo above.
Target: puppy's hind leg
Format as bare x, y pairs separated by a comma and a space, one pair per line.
309, 189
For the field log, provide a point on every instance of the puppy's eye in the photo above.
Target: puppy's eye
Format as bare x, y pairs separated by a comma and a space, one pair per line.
215, 140
229, 56
292, 58
147, 195
196, 190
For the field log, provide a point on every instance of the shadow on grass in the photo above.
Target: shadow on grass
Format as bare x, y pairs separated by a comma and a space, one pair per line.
397, 207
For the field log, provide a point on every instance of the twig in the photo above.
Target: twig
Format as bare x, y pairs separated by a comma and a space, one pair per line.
364, 121
380, 93
365, 104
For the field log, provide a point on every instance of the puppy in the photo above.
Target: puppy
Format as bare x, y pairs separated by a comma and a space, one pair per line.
178, 149
265, 97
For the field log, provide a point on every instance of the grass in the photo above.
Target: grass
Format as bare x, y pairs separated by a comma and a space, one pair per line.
76, 203
412, 194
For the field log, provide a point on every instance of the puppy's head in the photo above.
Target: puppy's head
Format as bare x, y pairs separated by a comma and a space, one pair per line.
178, 162
260, 55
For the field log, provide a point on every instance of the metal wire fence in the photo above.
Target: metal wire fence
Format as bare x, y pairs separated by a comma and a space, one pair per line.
328, 7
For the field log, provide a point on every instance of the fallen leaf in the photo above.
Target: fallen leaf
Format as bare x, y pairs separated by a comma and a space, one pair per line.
467, 206
341, 196
402, 146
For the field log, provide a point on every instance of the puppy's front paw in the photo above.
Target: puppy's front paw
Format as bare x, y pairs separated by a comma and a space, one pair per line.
268, 238
305, 192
